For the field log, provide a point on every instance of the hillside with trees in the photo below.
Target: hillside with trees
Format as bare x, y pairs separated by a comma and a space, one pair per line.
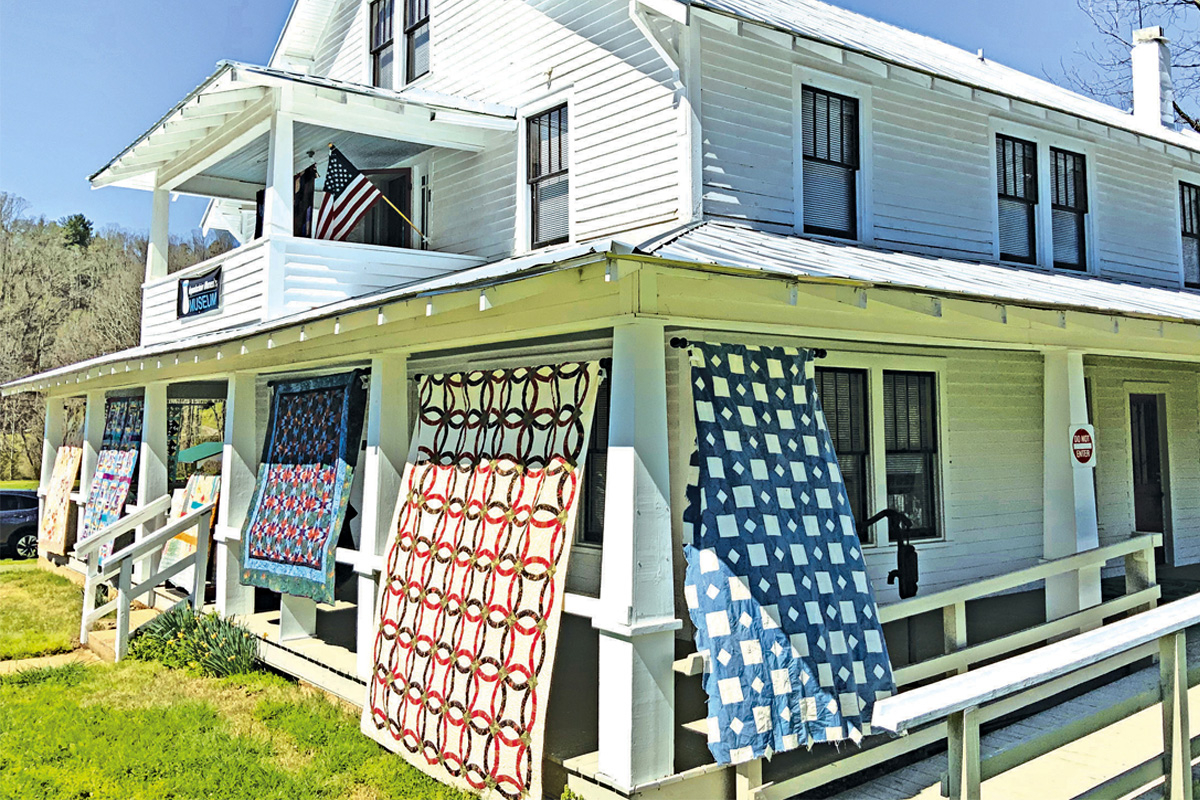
67, 293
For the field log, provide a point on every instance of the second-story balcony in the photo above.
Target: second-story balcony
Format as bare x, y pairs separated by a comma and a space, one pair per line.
256, 141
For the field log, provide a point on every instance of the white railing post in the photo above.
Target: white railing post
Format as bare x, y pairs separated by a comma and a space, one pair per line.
124, 607
962, 728
1141, 573
636, 614
1177, 743
200, 567
1069, 499
90, 583
954, 628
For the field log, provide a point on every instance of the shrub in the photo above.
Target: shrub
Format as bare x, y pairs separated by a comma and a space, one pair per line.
203, 643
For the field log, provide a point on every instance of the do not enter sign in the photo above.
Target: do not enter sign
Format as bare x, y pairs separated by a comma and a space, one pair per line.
1083, 445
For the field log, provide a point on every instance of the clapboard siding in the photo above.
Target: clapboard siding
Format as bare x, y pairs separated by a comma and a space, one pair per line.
930, 161
342, 53
473, 199
1114, 478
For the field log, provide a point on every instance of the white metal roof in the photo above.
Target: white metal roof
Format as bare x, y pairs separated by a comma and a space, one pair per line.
793, 256
822, 22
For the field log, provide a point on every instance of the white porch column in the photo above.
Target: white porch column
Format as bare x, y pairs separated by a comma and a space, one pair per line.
636, 617
152, 459
160, 237
277, 211
93, 438
387, 449
1069, 499
239, 466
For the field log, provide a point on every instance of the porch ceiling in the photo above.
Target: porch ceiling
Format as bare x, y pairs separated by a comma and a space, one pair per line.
222, 125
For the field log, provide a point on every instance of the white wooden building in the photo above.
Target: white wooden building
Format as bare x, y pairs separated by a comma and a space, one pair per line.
761, 171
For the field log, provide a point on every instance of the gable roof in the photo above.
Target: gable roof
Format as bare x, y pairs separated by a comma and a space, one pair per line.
301, 34
828, 24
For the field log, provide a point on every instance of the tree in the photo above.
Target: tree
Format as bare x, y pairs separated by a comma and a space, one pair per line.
1105, 69
77, 229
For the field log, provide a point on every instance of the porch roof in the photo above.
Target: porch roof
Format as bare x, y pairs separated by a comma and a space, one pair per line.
714, 243
233, 106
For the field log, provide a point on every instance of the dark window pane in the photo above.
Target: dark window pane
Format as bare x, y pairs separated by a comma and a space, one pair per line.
843, 394
829, 124
1068, 186
910, 441
382, 49
1016, 184
1189, 215
591, 525
549, 178
416, 33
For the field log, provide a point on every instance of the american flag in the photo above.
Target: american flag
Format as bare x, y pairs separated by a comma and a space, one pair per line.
348, 196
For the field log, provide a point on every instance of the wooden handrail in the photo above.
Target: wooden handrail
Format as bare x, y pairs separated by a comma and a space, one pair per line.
122, 526
1012, 675
1011, 580
159, 537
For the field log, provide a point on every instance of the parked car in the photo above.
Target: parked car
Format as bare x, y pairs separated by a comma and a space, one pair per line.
19, 523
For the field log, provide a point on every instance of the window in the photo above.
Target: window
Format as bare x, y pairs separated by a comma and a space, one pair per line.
416, 35
843, 395
590, 528
383, 52
1069, 206
910, 445
830, 134
549, 180
1189, 217
1016, 177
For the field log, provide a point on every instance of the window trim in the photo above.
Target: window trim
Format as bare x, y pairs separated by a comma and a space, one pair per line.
1044, 139
1181, 177
523, 219
408, 29
865, 220
875, 364
372, 50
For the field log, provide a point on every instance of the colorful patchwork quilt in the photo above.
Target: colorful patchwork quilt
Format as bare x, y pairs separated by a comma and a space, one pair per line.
775, 582
54, 534
200, 490
471, 593
114, 467
310, 453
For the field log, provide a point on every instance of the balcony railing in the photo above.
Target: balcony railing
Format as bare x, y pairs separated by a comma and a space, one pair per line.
282, 275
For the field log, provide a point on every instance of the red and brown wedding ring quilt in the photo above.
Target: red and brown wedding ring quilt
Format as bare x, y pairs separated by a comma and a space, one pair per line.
471, 593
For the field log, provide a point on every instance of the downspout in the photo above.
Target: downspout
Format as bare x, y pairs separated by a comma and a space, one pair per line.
684, 63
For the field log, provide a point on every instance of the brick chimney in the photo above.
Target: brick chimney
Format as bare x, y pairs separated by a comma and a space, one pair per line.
1153, 91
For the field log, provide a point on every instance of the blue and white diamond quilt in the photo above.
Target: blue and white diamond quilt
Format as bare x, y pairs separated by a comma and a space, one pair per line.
776, 584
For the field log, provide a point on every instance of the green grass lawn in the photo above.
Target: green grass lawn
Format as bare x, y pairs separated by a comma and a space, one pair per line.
39, 611
18, 484
141, 731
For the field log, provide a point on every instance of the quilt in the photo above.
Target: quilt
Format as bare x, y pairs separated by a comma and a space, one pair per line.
200, 490
775, 581
114, 467
471, 593
54, 533
303, 487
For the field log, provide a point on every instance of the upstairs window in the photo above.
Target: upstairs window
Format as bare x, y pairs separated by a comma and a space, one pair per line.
843, 395
383, 51
911, 450
416, 35
1069, 206
1016, 181
549, 178
830, 134
1189, 216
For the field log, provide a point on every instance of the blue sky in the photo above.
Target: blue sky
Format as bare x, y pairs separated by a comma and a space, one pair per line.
80, 80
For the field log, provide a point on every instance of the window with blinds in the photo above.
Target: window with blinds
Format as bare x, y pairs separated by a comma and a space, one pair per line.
843, 394
549, 177
1016, 181
911, 449
1069, 207
383, 53
830, 171
416, 36
1189, 217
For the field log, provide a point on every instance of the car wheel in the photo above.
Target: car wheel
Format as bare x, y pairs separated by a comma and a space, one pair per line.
24, 544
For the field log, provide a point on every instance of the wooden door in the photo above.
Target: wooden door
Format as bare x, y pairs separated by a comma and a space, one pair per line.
1146, 440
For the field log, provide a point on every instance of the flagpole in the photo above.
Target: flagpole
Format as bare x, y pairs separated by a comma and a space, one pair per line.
403, 216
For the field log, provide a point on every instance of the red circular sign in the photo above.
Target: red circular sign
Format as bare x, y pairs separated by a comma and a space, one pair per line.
1082, 446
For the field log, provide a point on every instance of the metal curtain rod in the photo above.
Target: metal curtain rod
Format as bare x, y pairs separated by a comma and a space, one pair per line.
680, 343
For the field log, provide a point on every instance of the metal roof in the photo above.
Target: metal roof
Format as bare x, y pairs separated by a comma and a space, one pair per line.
822, 22
796, 257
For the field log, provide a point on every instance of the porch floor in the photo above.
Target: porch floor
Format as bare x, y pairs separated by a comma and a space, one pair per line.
1069, 771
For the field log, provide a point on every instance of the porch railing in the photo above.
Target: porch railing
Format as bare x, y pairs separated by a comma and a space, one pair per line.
1141, 594
148, 549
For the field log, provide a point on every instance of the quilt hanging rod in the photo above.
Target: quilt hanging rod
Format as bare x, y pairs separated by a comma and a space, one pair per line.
680, 343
